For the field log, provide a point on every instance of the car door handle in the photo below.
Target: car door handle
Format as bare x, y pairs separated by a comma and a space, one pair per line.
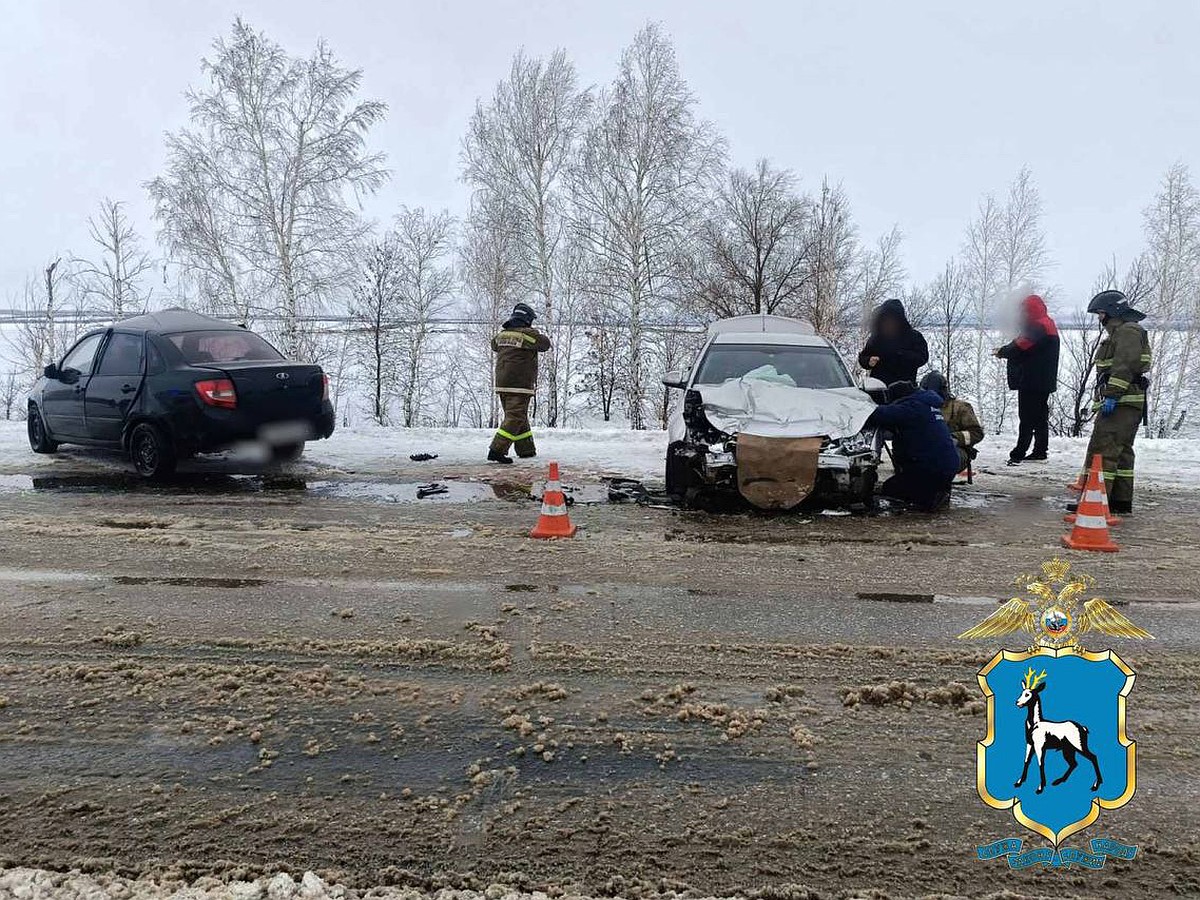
128, 388
79, 388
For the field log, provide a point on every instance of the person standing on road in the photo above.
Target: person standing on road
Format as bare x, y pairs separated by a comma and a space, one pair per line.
517, 347
960, 418
923, 451
1033, 373
895, 350
1122, 361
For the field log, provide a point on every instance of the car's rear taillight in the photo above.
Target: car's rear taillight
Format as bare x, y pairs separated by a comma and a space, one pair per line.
324, 386
217, 392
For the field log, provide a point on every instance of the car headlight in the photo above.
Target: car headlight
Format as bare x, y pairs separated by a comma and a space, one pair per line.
854, 444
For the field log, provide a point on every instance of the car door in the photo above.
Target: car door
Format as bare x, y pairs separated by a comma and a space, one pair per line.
62, 397
114, 386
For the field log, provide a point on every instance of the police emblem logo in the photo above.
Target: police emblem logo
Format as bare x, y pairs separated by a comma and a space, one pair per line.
1056, 751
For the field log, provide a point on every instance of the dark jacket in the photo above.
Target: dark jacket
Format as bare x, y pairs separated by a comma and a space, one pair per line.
921, 441
517, 348
899, 356
1122, 361
1033, 357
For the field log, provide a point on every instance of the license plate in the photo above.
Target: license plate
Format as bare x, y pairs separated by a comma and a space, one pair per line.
284, 432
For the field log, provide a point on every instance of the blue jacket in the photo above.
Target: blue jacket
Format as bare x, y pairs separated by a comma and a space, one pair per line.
921, 439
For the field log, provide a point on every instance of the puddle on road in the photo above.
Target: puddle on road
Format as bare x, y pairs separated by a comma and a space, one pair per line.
183, 581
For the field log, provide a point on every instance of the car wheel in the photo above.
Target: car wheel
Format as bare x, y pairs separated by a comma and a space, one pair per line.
39, 437
287, 452
151, 452
678, 471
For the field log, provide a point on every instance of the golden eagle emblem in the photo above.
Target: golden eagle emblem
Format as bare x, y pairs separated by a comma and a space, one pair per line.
1054, 615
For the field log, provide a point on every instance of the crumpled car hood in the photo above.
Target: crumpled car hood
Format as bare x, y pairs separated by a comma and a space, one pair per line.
755, 406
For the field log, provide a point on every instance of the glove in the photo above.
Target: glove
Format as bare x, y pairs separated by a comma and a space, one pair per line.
1109, 406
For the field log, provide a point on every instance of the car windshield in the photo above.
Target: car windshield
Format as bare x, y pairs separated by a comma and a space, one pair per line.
200, 347
807, 367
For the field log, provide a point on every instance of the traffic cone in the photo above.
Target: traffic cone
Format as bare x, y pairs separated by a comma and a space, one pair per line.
1091, 522
1078, 484
554, 521
1103, 499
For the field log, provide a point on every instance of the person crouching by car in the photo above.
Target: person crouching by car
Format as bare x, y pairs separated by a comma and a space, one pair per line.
923, 451
517, 347
960, 418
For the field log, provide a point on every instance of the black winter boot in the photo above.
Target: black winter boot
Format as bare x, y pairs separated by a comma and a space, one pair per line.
503, 458
1121, 507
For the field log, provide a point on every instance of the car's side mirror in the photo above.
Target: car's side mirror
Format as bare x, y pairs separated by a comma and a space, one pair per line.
69, 376
675, 379
873, 384
51, 372
876, 388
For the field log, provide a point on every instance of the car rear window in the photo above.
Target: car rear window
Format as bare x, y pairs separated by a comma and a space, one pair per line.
807, 367
234, 345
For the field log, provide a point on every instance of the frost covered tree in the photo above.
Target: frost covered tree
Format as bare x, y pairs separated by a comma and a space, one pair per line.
948, 337
374, 312
828, 301
113, 282
639, 187
754, 253
263, 179
490, 262
424, 242
50, 321
12, 387
1172, 265
517, 148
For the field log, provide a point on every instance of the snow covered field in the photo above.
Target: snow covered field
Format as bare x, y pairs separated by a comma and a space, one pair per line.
373, 451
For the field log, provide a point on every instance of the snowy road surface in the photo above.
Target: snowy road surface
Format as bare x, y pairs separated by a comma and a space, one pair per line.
227, 678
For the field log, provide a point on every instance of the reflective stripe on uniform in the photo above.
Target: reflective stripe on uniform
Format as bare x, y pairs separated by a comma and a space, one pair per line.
1090, 521
513, 390
1104, 363
514, 339
1124, 473
513, 437
1120, 383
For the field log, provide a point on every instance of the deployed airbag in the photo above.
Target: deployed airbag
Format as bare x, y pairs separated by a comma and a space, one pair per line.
764, 407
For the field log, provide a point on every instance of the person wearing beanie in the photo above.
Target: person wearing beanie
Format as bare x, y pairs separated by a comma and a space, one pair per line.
960, 418
516, 347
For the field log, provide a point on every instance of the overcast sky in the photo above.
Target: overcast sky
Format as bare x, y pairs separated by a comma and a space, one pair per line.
917, 107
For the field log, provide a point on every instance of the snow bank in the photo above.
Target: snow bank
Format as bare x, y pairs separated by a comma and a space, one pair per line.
605, 450
37, 884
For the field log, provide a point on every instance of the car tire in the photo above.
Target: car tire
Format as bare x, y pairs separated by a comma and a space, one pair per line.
39, 437
151, 453
287, 452
680, 476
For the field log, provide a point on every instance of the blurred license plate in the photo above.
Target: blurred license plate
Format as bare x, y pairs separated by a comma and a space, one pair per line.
284, 432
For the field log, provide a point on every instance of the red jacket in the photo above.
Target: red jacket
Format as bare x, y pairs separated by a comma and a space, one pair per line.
1033, 356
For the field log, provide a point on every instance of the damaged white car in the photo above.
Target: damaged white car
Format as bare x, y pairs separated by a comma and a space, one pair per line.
771, 412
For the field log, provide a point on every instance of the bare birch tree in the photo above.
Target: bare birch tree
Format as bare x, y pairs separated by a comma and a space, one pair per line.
276, 152
828, 301
1172, 262
374, 312
950, 305
114, 283
983, 269
754, 246
639, 185
426, 283
517, 147
490, 263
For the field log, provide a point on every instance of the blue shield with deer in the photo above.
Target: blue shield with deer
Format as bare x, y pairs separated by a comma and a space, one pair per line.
1056, 751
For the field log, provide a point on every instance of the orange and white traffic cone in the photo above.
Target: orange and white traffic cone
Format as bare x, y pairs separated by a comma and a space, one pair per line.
1091, 522
1102, 498
1078, 484
554, 521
